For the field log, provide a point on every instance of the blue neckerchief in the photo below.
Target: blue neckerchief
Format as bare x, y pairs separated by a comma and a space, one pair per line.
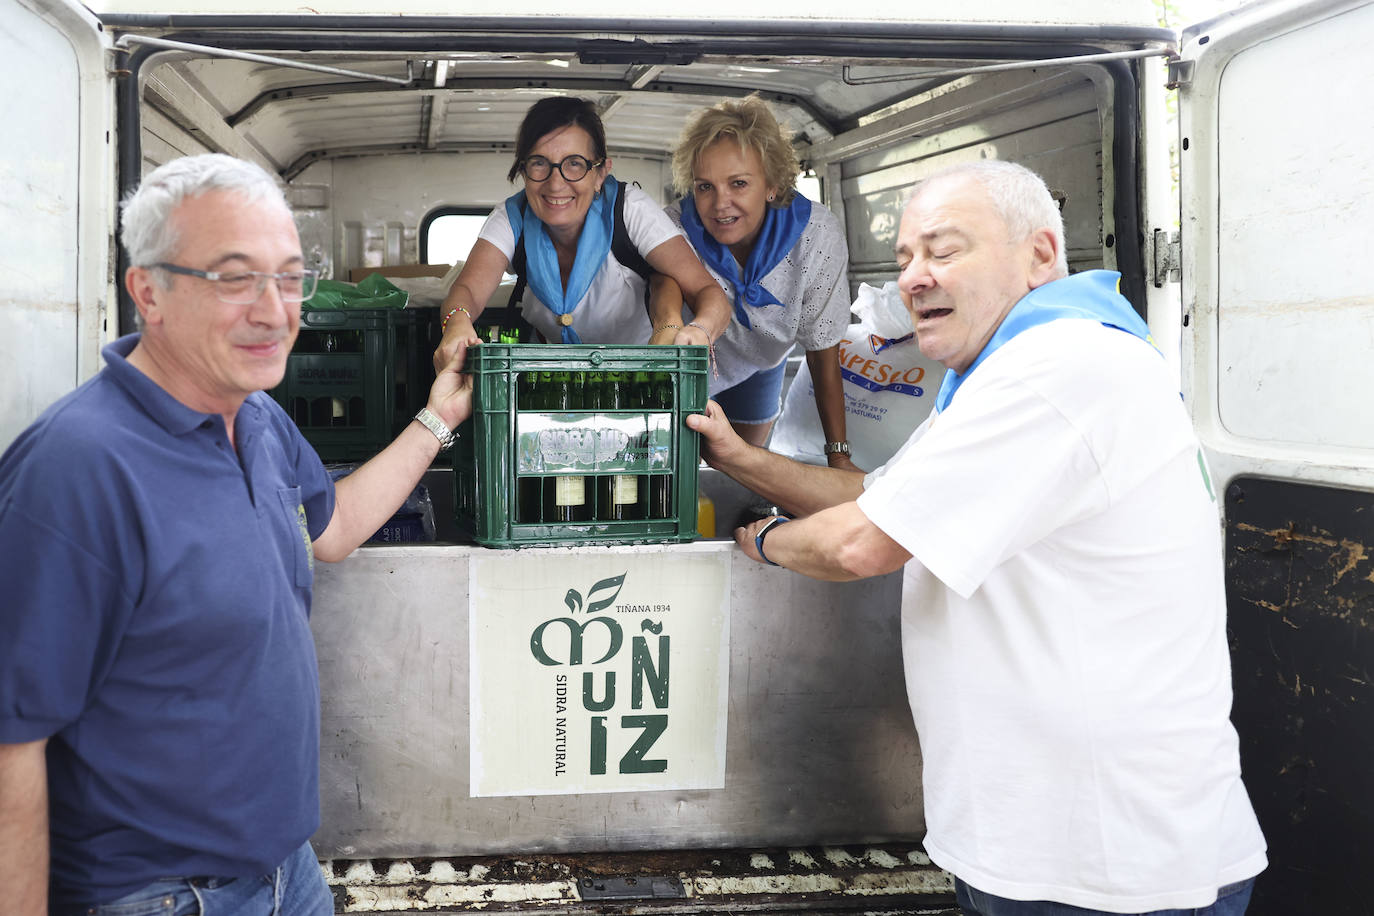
779, 233
1093, 294
541, 260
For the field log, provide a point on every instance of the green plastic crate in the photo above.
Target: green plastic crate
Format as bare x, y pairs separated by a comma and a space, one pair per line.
505, 454
356, 377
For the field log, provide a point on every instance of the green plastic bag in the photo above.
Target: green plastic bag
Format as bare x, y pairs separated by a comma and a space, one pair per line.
371, 292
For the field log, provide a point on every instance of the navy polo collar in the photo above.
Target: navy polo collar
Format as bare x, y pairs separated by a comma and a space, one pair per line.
171, 414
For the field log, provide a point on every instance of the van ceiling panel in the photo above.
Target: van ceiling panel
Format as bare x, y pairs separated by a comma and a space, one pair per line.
297, 116
645, 75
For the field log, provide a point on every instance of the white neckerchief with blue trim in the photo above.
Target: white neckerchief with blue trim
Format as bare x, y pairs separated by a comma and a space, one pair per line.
541, 260
1092, 294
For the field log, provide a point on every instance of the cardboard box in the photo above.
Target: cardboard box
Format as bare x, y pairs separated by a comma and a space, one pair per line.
399, 270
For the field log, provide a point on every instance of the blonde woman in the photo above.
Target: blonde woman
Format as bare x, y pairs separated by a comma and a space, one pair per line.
780, 258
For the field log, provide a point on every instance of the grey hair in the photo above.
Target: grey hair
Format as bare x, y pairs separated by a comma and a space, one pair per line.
146, 226
1020, 197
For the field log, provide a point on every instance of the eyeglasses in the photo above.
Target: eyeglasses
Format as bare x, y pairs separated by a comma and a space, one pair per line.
245, 287
572, 168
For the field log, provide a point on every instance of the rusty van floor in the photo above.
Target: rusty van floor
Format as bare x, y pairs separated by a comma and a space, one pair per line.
881, 880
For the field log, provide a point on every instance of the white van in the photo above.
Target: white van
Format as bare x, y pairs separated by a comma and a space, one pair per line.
381, 122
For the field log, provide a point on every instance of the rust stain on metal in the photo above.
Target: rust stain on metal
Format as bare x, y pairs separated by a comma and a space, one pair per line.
1353, 554
1287, 535
1318, 561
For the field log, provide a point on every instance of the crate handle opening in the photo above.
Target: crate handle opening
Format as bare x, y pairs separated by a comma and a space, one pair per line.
325, 319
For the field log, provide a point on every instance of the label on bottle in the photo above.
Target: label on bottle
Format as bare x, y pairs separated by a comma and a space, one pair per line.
570, 491
626, 489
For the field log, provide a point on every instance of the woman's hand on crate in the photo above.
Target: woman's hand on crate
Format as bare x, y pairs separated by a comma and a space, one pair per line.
693, 335
666, 315
466, 299
451, 394
664, 335
670, 322
458, 332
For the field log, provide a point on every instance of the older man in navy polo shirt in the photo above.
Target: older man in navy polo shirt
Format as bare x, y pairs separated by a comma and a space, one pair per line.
159, 696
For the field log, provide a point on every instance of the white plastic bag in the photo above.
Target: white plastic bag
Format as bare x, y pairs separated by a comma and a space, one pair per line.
889, 386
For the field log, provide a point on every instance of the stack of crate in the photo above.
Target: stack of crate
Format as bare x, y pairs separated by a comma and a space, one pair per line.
356, 377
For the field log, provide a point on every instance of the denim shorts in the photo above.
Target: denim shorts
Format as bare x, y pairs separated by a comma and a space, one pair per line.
757, 399
1231, 901
295, 888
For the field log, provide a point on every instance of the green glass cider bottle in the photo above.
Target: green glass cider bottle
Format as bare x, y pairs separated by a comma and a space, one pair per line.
528, 395
660, 495
570, 503
622, 492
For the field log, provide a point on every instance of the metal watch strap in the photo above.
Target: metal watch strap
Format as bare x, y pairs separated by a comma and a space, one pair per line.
432, 423
841, 447
758, 538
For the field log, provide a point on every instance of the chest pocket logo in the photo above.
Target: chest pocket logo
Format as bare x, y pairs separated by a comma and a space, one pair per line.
305, 553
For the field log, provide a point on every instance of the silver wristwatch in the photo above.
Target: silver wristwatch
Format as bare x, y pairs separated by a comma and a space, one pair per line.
435, 425
840, 448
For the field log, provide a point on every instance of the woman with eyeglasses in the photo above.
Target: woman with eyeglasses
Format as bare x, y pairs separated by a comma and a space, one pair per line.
564, 219
780, 258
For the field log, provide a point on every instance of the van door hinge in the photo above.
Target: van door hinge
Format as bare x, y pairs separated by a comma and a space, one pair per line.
1180, 73
1168, 257
639, 888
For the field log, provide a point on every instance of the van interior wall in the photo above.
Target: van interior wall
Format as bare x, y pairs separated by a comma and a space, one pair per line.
376, 204
1054, 123
365, 211
165, 140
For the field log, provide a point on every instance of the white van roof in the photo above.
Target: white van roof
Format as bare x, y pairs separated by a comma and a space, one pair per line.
1138, 13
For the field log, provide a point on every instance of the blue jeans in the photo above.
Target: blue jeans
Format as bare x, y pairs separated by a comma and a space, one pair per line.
1231, 901
757, 399
296, 888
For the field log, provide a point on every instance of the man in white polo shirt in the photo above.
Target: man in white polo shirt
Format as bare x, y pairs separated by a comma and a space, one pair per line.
1063, 615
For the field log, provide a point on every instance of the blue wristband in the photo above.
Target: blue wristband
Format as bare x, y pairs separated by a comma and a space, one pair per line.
758, 538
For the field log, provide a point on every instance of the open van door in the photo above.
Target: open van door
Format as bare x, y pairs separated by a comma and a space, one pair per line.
1277, 175
56, 212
